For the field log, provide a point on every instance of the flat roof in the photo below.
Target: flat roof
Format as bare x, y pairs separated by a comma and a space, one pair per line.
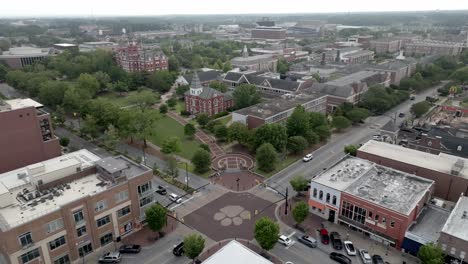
457, 223
442, 163
25, 51
253, 58
352, 78
65, 45
429, 224
235, 253
14, 104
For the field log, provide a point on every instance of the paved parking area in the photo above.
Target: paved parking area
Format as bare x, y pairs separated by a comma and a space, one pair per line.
230, 216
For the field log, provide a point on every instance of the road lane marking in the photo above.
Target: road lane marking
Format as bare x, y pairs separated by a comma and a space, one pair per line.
177, 205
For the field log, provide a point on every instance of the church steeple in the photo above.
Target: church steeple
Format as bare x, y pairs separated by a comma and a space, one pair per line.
245, 52
195, 86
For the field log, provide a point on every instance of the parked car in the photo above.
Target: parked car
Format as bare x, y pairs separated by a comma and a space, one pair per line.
365, 257
130, 248
336, 240
284, 240
178, 250
412, 97
377, 137
349, 247
376, 259
161, 190
340, 258
308, 157
401, 115
110, 257
307, 240
324, 237
175, 198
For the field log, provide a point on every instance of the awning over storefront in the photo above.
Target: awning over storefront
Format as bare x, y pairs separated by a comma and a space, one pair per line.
316, 204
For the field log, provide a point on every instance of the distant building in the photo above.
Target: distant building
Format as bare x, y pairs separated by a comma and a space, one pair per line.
99, 45
259, 63
207, 100
205, 77
306, 29
61, 47
350, 55
454, 235
134, 58
382, 46
62, 209
27, 135
433, 47
278, 110
398, 69
17, 58
450, 173
269, 33
378, 201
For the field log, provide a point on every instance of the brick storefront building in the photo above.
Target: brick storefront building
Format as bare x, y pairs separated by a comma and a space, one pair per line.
200, 99
26, 135
62, 209
134, 58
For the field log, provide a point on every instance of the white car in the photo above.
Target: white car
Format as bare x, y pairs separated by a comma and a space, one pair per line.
284, 240
349, 247
365, 257
308, 157
175, 198
377, 137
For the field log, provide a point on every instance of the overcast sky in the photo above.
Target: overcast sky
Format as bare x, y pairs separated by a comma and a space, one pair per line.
13, 8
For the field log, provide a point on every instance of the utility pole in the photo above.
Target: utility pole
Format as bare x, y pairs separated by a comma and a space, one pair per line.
286, 204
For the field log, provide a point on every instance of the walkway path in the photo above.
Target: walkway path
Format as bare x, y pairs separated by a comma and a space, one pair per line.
215, 149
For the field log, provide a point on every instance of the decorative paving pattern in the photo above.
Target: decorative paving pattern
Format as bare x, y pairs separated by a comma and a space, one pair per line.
232, 215
233, 162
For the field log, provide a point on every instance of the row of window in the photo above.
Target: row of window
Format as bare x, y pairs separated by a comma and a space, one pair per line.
358, 214
33, 254
327, 198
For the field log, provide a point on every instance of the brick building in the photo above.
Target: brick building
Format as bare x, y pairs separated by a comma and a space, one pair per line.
200, 99
258, 63
382, 46
269, 32
17, 58
433, 47
454, 235
62, 209
450, 173
26, 135
134, 58
378, 201
398, 69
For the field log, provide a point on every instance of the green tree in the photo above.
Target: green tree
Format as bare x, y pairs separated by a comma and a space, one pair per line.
172, 166
221, 132
111, 137
181, 90
143, 99
88, 83
351, 150
59, 115
296, 144
323, 132
156, 217
266, 157
300, 212
357, 114
74, 99
431, 254
419, 109
3, 72
172, 102
205, 147
161, 81
282, 66
52, 93
90, 127
460, 75
201, 160
299, 183
266, 233
275, 134
103, 80
143, 125
298, 123
163, 108
203, 119
239, 132
174, 64
340, 122
245, 95
64, 141
120, 87
227, 67
193, 246
171, 145
218, 86
189, 130
311, 137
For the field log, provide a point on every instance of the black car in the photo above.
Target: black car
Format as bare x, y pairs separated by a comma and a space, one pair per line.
161, 190
179, 250
130, 248
401, 115
376, 259
340, 258
336, 240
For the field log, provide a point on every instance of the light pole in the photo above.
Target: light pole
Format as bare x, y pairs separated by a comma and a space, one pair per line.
286, 204
186, 175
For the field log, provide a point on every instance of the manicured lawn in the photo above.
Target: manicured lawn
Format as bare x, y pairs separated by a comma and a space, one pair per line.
191, 169
166, 127
117, 99
279, 166
224, 120
180, 106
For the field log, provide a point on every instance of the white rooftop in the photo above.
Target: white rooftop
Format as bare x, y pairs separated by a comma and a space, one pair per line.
22, 51
442, 163
457, 223
235, 253
14, 104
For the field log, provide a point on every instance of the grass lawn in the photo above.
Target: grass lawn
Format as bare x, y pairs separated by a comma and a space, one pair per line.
191, 169
279, 166
179, 106
166, 127
224, 120
115, 98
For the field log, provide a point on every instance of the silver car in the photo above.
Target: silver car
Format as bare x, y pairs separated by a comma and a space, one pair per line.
365, 257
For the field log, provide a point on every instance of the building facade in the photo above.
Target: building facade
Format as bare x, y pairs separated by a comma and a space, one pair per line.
382, 46
17, 58
258, 63
433, 47
454, 235
62, 209
134, 58
200, 99
266, 32
27, 135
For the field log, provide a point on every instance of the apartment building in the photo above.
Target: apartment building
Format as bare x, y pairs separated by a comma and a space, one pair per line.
26, 135
433, 47
382, 46
60, 210
134, 58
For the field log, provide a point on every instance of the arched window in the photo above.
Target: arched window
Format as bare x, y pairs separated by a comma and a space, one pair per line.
315, 193
328, 198
334, 200
321, 195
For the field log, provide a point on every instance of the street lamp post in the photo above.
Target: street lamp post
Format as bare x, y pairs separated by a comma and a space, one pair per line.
286, 204
186, 175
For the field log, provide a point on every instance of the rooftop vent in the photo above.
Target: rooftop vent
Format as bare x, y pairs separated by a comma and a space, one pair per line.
457, 167
464, 215
22, 175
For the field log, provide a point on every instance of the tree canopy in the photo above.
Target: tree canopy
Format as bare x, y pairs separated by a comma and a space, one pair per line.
431, 254
300, 212
156, 217
275, 134
245, 95
201, 160
266, 157
193, 245
419, 109
266, 233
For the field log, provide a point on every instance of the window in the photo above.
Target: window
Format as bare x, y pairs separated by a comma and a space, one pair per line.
57, 243
81, 231
321, 195
103, 221
328, 198
33, 254
144, 188
376, 218
101, 205
124, 211
146, 200
384, 221
370, 214
353, 212
121, 196
334, 200
62, 260
106, 239
85, 250
78, 216
315, 193
25, 239
392, 223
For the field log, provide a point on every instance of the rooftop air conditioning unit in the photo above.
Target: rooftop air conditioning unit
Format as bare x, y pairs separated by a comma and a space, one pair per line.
22, 175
